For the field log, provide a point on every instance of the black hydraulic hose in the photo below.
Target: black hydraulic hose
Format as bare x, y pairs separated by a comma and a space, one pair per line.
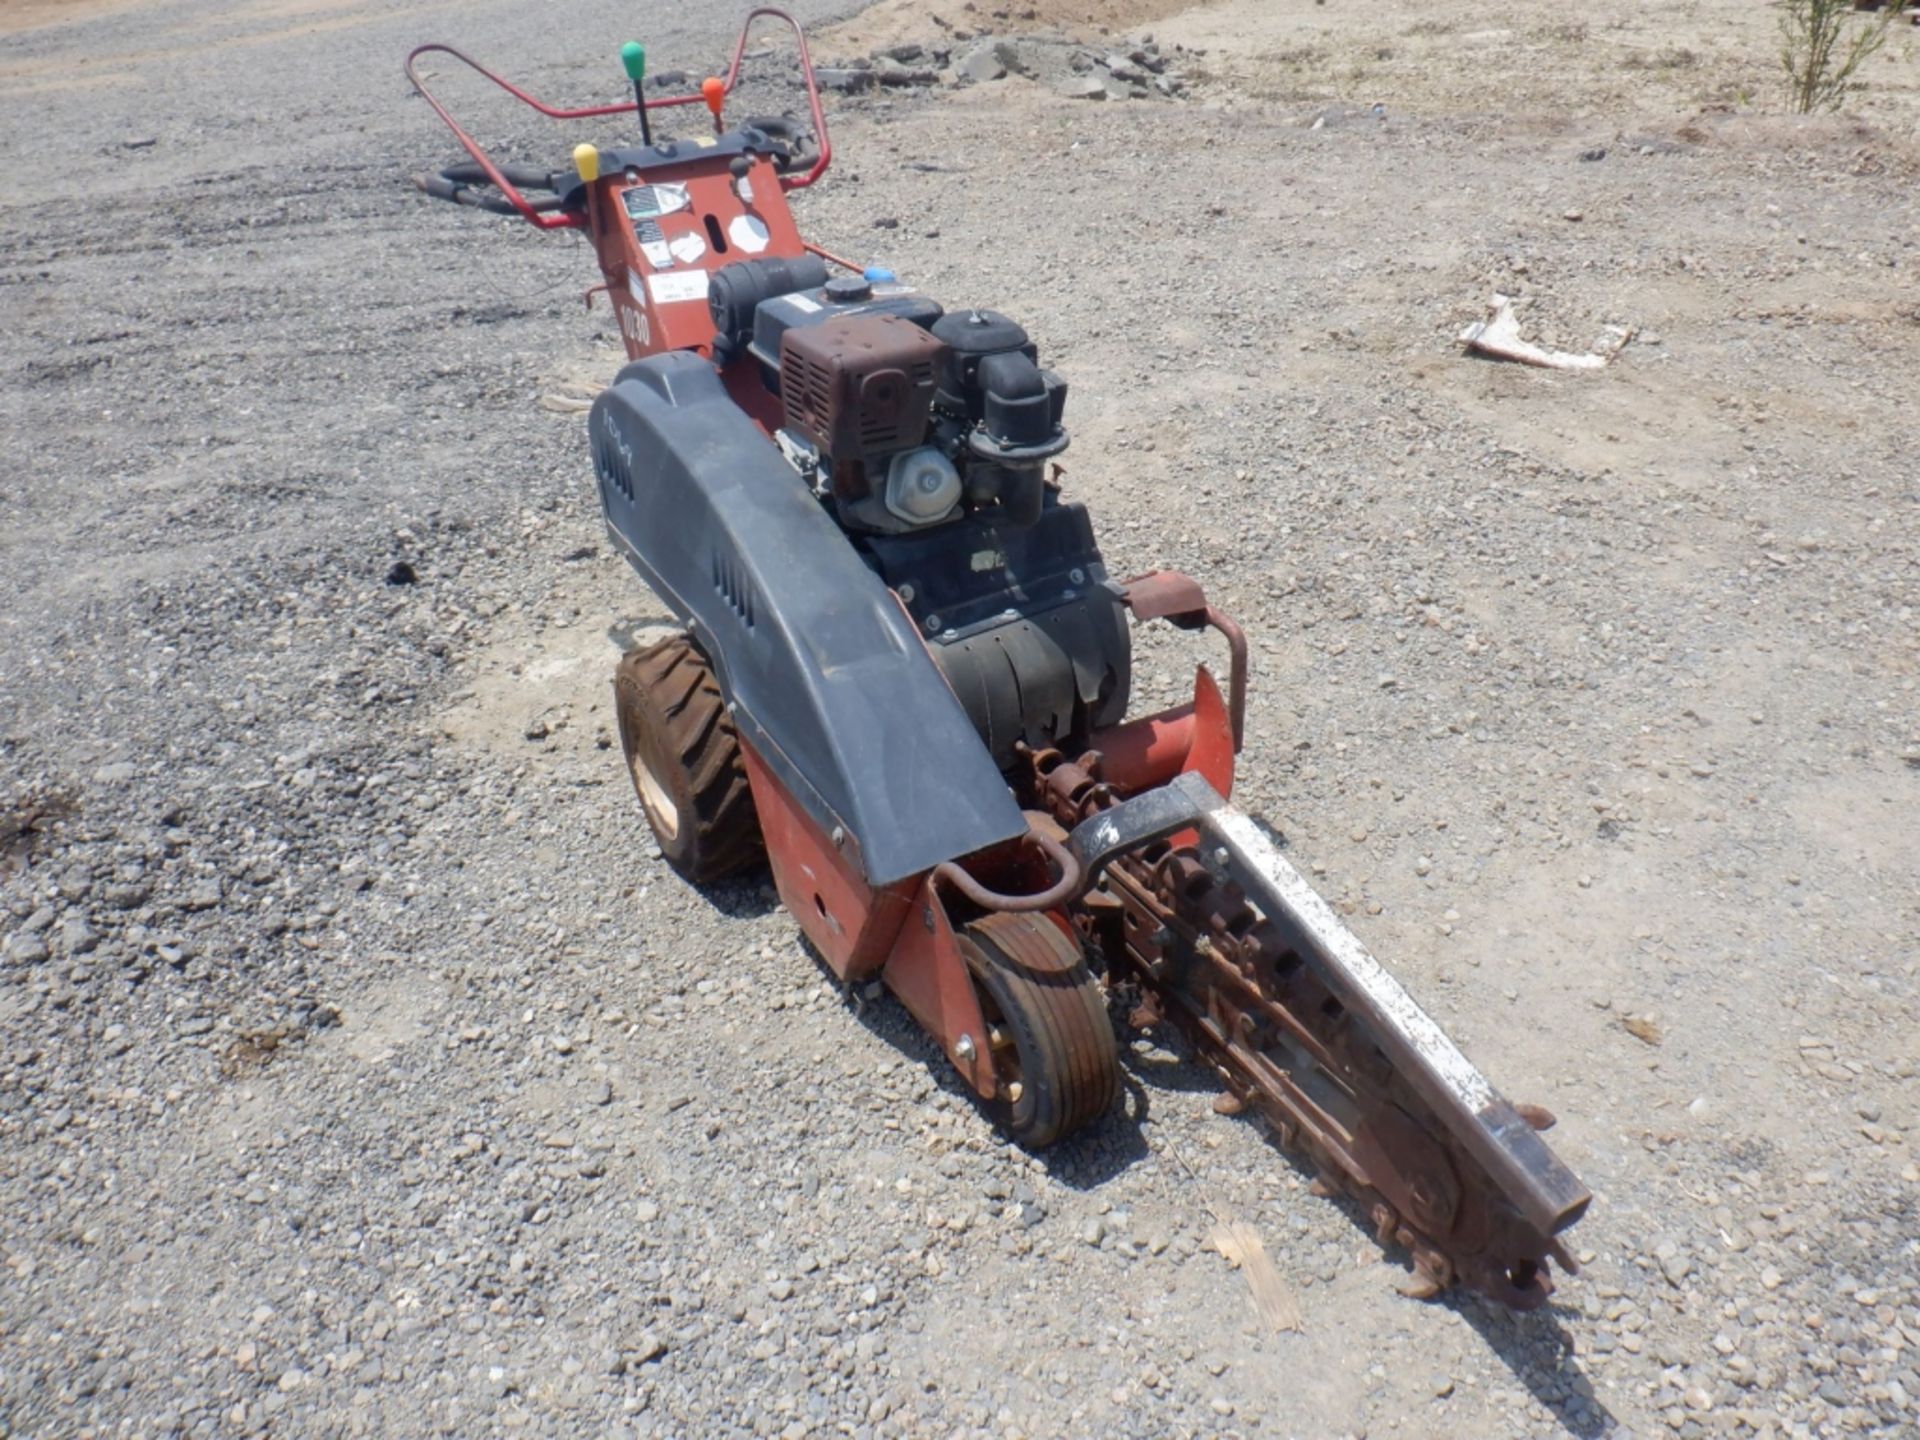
790, 140
443, 187
525, 176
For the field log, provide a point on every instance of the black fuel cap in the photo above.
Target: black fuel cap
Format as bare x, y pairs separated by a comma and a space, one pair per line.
846, 289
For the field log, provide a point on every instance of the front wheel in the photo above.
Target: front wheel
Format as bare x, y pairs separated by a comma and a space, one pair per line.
684, 757
1055, 1059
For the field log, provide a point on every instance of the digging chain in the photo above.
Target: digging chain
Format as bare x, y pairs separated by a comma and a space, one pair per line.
1171, 919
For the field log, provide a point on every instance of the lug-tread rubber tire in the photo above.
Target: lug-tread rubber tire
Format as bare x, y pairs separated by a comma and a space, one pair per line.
1036, 978
673, 721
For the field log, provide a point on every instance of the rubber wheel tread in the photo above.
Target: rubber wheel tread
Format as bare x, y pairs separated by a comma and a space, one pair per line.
1037, 979
673, 721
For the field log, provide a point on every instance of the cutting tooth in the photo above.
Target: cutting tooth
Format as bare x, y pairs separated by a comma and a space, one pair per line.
1420, 1287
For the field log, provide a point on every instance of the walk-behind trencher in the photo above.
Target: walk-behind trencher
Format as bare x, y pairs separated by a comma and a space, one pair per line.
903, 684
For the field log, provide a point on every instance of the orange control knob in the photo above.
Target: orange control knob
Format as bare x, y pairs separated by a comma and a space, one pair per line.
714, 92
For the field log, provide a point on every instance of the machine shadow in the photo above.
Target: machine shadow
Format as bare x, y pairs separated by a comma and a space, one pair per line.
1518, 1340
746, 896
1083, 1161
1096, 1154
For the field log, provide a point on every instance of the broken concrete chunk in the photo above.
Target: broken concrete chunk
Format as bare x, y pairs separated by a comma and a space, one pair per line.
1009, 55
893, 73
982, 64
846, 80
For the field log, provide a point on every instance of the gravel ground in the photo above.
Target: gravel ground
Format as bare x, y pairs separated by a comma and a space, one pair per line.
363, 1070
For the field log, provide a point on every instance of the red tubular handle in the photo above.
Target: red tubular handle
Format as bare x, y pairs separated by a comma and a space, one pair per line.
561, 221
825, 158
554, 221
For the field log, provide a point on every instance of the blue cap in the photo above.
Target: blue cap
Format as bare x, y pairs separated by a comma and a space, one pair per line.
879, 274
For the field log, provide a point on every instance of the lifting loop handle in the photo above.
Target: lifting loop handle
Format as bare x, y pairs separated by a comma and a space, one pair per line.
1058, 893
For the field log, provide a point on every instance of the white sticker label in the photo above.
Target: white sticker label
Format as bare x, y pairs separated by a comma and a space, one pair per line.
687, 248
653, 244
678, 285
650, 202
635, 289
803, 302
748, 233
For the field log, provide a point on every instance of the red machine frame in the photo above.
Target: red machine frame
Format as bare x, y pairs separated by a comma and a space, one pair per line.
861, 933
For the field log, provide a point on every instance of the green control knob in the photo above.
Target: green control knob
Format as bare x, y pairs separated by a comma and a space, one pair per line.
633, 55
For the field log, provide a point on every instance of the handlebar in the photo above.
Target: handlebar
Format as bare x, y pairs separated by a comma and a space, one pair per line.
547, 215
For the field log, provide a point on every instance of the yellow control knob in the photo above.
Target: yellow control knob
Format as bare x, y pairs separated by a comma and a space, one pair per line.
586, 159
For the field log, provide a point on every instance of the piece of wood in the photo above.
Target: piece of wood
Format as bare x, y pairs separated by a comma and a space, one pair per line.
1240, 1243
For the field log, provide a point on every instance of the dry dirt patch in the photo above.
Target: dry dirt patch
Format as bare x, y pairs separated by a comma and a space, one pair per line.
257, 24
21, 15
541, 694
892, 22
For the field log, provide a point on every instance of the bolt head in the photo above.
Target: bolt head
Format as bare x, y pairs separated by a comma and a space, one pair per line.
963, 1047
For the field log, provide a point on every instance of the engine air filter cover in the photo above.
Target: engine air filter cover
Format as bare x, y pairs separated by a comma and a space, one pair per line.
970, 336
860, 386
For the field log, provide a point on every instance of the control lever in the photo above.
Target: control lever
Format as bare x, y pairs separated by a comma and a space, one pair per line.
633, 55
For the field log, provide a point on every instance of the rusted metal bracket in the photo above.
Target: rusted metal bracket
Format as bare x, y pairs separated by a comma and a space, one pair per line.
1178, 599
